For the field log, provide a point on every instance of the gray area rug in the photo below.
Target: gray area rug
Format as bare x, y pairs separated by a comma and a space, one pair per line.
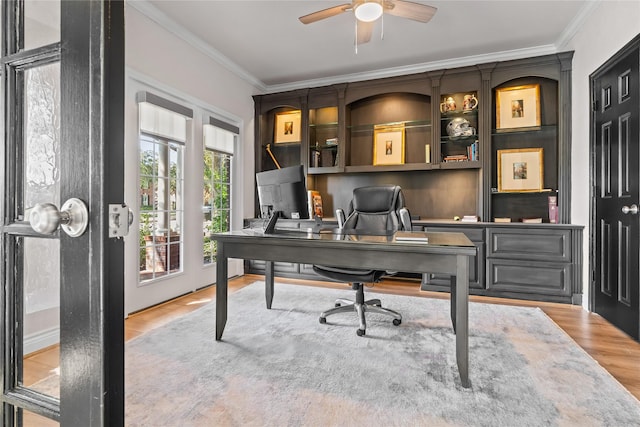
281, 367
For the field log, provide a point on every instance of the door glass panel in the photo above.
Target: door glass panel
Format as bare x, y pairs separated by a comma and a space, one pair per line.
41, 23
161, 206
218, 151
41, 315
41, 256
42, 135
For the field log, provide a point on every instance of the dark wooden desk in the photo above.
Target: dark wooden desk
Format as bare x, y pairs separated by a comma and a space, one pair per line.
446, 253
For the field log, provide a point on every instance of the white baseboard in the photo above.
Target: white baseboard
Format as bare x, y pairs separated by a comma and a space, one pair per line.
40, 340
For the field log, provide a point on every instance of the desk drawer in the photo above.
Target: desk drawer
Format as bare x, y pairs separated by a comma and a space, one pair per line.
530, 244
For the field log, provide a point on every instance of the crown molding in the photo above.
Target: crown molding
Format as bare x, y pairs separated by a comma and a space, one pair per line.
151, 12
418, 68
577, 22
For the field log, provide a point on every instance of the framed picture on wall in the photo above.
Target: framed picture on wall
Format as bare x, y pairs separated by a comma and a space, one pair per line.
388, 145
520, 170
287, 127
518, 107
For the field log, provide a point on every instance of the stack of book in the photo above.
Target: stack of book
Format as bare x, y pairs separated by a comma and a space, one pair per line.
456, 158
532, 220
472, 152
499, 219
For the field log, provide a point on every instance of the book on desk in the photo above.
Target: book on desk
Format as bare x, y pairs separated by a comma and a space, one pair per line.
412, 236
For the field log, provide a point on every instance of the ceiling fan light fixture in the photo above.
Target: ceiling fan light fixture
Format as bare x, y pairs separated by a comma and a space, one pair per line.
368, 11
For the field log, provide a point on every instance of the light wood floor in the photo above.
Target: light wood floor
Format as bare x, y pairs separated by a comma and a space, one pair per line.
614, 350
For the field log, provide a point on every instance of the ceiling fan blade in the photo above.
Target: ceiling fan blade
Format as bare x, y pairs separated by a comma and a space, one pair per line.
408, 9
363, 32
325, 13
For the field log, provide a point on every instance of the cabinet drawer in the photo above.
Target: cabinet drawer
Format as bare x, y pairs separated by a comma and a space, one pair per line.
474, 234
530, 244
529, 278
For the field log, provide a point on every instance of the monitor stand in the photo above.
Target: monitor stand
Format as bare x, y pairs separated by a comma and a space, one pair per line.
270, 228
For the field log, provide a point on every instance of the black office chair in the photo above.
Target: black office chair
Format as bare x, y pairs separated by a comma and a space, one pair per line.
378, 209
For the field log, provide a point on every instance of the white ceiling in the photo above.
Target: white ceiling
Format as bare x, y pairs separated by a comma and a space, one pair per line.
266, 43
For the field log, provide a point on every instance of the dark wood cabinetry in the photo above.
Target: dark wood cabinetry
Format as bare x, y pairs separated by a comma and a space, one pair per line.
443, 174
526, 261
339, 122
537, 262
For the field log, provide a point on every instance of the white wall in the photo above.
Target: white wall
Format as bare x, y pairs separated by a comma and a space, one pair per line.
611, 25
163, 63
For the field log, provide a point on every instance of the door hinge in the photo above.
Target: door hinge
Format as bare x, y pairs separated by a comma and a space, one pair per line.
594, 106
120, 218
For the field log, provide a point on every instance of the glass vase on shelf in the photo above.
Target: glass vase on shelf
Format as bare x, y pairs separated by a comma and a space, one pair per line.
553, 209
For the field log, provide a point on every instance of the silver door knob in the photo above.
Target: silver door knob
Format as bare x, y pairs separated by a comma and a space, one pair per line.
633, 209
73, 218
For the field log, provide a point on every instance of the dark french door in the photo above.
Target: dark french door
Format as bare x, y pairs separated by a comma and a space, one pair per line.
615, 91
62, 179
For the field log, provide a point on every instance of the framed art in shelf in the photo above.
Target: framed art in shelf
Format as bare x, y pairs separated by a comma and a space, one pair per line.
287, 127
518, 107
520, 170
388, 145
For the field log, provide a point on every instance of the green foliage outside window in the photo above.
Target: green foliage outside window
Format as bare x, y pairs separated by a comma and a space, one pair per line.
216, 197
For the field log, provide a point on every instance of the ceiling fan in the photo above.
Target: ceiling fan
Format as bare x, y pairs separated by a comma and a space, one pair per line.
368, 11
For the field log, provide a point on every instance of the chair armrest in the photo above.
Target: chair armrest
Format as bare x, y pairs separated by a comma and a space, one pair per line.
405, 219
340, 217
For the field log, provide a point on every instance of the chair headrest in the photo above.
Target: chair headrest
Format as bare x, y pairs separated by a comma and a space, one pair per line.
381, 198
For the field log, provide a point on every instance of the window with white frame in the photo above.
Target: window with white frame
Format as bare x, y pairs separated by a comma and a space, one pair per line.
162, 138
219, 142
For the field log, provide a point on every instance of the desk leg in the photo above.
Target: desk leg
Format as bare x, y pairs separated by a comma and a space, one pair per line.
268, 282
462, 319
453, 301
221, 291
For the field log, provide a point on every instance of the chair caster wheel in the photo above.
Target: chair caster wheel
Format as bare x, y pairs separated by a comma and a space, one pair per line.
338, 304
323, 320
397, 322
360, 332
378, 305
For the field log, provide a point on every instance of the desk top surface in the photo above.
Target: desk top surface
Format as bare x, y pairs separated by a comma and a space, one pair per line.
439, 239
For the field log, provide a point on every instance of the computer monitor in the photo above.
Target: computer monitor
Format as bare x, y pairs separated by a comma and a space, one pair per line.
282, 193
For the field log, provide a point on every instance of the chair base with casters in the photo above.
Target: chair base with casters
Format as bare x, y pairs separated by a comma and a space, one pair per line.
361, 306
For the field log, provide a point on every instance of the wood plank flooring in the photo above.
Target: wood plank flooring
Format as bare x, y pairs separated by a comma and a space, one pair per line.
611, 348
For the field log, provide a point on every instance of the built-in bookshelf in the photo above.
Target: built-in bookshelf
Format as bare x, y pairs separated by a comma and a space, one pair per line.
444, 175
459, 128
